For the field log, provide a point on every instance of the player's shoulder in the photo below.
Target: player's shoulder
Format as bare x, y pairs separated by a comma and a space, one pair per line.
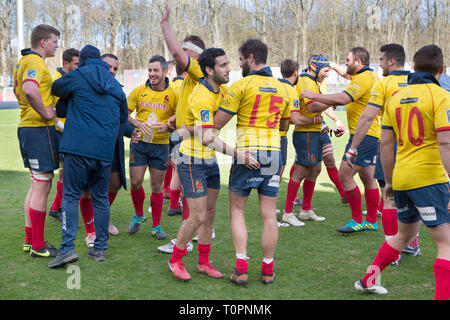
56, 75
138, 90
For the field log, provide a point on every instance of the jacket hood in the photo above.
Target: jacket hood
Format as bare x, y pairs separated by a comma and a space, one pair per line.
87, 52
96, 73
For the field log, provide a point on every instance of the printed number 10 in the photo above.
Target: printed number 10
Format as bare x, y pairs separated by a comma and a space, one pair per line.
413, 113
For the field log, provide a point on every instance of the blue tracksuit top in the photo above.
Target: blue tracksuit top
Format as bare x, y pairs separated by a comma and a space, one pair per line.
96, 107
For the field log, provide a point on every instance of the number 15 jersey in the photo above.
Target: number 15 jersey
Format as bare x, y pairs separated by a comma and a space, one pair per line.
416, 113
260, 101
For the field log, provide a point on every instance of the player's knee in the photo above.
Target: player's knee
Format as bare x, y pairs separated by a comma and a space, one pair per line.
42, 176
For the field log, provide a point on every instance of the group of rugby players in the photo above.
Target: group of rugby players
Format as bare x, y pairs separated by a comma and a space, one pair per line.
403, 118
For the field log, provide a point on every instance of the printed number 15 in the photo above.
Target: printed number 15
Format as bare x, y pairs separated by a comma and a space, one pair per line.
273, 109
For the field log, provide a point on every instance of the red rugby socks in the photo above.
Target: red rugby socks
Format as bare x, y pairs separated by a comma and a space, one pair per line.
58, 197
308, 191
354, 200
138, 198
291, 195
156, 202
372, 197
386, 255
37, 224
87, 213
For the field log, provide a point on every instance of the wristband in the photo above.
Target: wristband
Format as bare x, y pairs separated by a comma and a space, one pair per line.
338, 123
316, 120
351, 153
59, 124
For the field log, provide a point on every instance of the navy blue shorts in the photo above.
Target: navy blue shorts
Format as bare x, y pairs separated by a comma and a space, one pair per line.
174, 144
60, 155
197, 176
266, 180
325, 139
283, 145
115, 164
367, 151
149, 154
39, 148
429, 204
308, 148
379, 174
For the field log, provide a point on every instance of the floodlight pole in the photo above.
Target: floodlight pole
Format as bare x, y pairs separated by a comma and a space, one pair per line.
20, 41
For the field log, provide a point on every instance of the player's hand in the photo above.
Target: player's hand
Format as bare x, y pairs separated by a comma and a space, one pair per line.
161, 127
325, 129
135, 136
172, 123
309, 94
340, 129
166, 15
144, 127
49, 113
245, 157
350, 155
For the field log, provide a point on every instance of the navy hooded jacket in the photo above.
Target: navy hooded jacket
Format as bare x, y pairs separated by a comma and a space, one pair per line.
96, 107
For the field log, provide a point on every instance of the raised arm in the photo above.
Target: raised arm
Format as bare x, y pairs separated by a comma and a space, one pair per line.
181, 58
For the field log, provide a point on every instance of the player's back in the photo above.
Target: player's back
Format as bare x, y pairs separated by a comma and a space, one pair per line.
416, 113
260, 102
307, 82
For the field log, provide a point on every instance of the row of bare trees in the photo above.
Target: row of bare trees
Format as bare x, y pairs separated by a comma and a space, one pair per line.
292, 28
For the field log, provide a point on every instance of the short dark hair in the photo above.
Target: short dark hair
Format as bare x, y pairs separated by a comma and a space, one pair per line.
429, 59
42, 32
110, 55
394, 51
208, 58
257, 48
161, 60
362, 54
195, 40
69, 54
288, 67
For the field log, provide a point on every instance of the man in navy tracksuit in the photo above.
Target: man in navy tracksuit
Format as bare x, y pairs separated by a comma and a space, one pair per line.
97, 105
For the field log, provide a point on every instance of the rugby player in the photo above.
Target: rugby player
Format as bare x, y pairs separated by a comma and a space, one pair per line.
356, 97
37, 134
154, 102
418, 119
261, 104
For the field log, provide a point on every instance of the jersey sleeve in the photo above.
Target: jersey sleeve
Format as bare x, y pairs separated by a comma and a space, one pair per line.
194, 70
290, 101
133, 99
33, 71
172, 107
202, 111
386, 122
305, 83
377, 95
442, 114
231, 100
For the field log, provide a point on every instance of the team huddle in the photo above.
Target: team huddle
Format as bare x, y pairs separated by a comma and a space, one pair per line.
75, 121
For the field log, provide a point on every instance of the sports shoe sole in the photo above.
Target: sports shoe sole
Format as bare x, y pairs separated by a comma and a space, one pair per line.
96, 258
63, 262
267, 279
374, 289
236, 278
